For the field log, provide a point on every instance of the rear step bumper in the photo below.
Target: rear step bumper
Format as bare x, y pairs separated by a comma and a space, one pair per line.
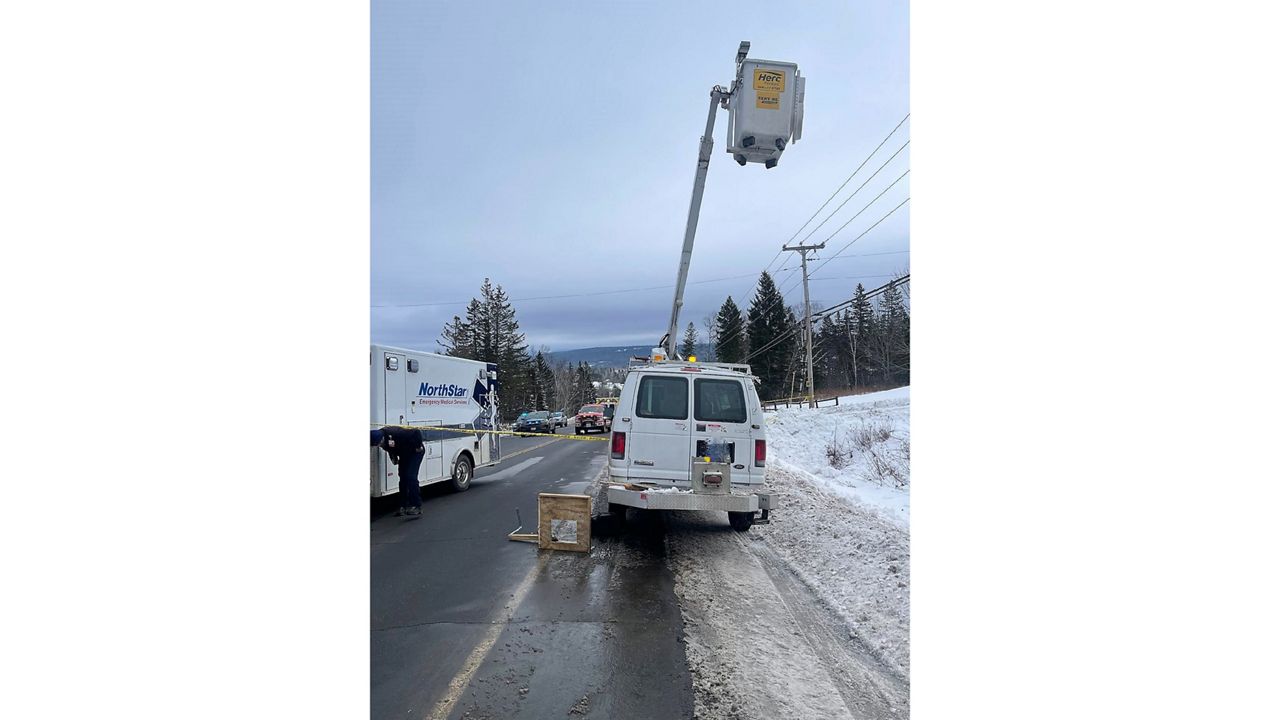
672, 499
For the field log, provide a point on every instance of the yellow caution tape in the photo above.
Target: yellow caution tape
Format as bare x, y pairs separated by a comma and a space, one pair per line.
466, 431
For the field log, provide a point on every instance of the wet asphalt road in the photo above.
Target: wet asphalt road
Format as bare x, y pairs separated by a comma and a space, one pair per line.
468, 624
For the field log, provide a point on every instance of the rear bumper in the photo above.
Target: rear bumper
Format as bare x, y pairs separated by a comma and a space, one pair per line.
671, 499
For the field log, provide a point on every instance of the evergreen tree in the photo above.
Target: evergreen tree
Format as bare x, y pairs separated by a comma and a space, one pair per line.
505, 344
730, 333
456, 339
480, 342
893, 342
689, 346
545, 382
826, 357
860, 337
491, 333
767, 321
797, 367
584, 392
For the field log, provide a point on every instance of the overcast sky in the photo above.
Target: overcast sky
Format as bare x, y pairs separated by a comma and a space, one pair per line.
551, 147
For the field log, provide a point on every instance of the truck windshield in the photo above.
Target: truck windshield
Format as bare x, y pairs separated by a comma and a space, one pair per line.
590, 409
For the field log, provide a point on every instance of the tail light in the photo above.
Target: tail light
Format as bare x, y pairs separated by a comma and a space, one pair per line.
618, 449
759, 453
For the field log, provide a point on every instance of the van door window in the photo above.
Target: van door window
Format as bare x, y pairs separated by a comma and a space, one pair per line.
719, 401
665, 398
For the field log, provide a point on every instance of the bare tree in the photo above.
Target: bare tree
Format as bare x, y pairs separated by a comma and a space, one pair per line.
709, 322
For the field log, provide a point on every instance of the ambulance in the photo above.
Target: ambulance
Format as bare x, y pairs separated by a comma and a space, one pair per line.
449, 398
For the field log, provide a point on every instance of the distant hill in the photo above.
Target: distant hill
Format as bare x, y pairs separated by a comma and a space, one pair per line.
612, 357
616, 357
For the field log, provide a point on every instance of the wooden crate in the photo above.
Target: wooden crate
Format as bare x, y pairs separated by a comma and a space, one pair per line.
564, 522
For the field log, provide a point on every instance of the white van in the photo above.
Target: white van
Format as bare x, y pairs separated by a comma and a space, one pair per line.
445, 397
689, 436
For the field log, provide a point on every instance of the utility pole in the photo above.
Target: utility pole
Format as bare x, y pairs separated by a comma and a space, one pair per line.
808, 323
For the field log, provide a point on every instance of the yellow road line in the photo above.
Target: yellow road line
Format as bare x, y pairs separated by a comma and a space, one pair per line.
482, 649
521, 452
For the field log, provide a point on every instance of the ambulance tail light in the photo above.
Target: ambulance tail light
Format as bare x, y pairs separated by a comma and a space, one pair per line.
618, 448
760, 453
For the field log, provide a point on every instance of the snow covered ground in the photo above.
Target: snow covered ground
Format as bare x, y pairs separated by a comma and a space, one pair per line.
808, 616
760, 645
870, 435
845, 531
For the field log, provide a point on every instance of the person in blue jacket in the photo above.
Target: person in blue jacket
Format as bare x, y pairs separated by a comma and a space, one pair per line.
405, 448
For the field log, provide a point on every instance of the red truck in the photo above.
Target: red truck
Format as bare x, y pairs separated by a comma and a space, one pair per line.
592, 417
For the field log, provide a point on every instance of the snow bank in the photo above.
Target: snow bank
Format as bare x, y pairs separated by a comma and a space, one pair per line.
852, 557
871, 433
845, 531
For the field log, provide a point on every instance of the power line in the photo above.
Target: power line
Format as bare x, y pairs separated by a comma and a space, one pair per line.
823, 313
846, 257
846, 180
868, 295
783, 293
855, 192
852, 277
575, 295
864, 232
795, 328
856, 170
856, 216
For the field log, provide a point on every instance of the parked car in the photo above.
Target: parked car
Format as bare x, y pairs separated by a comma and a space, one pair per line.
535, 422
559, 420
591, 417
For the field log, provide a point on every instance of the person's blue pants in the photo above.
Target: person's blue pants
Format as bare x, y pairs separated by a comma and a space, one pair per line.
409, 493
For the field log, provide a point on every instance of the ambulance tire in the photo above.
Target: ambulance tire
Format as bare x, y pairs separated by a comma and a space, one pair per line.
741, 521
462, 474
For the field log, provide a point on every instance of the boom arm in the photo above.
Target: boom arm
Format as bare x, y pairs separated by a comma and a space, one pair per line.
718, 95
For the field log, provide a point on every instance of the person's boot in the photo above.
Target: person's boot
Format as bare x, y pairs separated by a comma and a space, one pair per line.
401, 512
413, 512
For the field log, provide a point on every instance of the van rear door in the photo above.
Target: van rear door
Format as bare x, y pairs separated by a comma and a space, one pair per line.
659, 431
722, 413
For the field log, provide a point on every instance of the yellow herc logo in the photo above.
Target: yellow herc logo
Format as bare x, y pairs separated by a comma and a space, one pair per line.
770, 81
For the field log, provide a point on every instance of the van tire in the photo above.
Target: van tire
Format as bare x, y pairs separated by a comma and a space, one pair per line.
462, 474
741, 521
619, 515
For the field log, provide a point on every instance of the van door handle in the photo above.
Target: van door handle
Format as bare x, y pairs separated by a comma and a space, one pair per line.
626, 419
755, 427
